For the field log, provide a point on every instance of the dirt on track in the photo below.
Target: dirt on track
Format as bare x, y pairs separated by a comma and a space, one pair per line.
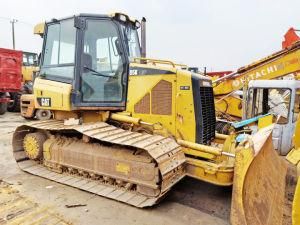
190, 202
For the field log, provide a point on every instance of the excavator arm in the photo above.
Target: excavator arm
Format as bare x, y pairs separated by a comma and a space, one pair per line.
279, 64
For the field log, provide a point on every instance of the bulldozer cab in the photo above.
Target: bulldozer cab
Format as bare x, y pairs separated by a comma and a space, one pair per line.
30, 59
280, 98
30, 66
92, 53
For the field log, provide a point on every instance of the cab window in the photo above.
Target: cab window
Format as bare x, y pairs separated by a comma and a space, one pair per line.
270, 100
59, 53
104, 66
25, 61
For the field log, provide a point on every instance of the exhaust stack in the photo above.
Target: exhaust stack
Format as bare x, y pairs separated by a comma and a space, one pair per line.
143, 37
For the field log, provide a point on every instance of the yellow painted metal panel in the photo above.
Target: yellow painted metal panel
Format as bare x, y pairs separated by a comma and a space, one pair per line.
231, 105
265, 121
39, 29
60, 94
139, 86
27, 72
185, 114
294, 155
209, 172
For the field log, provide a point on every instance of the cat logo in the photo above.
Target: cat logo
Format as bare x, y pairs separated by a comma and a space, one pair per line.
44, 102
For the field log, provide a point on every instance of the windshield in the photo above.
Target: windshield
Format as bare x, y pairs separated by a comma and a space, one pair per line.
29, 59
132, 41
275, 101
59, 52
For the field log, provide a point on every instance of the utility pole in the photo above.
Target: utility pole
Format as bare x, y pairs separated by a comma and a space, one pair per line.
13, 21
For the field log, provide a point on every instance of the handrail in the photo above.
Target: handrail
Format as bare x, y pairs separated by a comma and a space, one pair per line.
154, 61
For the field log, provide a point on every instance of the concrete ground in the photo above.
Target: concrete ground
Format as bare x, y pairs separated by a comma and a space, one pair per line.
190, 202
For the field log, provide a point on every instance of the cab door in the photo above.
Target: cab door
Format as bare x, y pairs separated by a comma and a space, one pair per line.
103, 68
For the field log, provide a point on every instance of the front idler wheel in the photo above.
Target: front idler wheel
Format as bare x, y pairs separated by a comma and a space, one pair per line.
33, 145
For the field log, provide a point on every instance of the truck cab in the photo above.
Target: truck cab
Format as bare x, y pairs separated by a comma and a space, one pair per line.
280, 98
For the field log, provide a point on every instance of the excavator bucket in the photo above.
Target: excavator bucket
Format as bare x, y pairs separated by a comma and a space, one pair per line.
259, 187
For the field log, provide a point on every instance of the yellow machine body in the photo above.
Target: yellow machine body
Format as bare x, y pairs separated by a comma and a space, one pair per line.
158, 98
229, 105
155, 98
168, 99
27, 72
164, 98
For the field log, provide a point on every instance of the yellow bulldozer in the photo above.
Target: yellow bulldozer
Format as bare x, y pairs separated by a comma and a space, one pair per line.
129, 128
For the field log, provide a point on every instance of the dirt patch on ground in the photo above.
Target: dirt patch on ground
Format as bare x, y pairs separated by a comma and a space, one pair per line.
208, 198
17, 209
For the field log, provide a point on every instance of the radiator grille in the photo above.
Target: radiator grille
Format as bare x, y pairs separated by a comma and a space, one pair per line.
143, 106
161, 98
208, 114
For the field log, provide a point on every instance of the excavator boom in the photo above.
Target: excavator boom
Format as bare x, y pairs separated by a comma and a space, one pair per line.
277, 65
274, 66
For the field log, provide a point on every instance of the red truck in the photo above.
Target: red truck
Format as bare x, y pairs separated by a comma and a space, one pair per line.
10, 75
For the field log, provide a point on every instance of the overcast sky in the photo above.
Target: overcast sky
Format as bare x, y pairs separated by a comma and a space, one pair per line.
221, 35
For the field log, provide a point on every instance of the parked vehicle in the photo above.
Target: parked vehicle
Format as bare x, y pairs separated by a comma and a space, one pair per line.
10, 75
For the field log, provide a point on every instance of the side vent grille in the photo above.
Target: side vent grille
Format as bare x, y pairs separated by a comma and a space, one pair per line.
143, 106
208, 114
161, 98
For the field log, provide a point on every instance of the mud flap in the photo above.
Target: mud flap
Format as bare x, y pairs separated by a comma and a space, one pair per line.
259, 185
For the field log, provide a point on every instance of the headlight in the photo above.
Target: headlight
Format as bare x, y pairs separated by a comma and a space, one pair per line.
122, 17
137, 24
